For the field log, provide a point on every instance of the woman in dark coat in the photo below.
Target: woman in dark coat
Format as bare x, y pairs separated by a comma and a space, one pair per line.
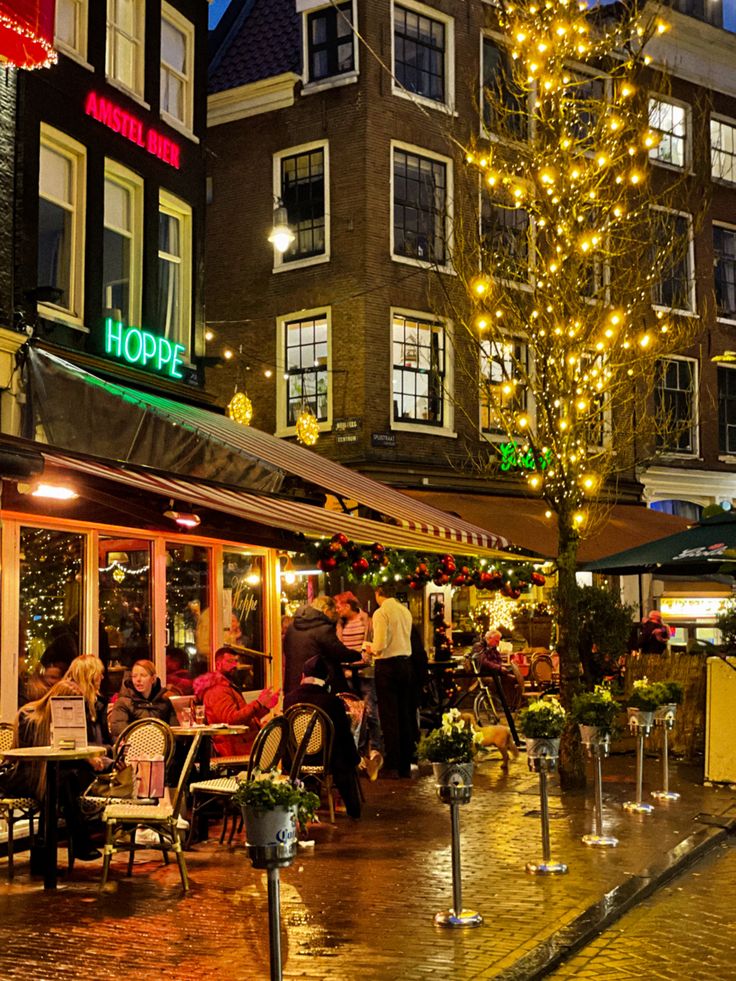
313, 634
142, 697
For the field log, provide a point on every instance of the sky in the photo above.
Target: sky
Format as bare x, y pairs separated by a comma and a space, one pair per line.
217, 8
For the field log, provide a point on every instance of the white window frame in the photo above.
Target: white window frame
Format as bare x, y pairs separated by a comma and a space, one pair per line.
138, 89
499, 435
280, 264
447, 429
730, 228
447, 266
500, 41
282, 429
133, 184
687, 138
731, 124
171, 205
304, 8
186, 27
724, 455
668, 452
76, 154
78, 49
693, 312
448, 105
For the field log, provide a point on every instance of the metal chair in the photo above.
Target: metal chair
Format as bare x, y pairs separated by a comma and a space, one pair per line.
27, 807
161, 818
542, 670
316, 747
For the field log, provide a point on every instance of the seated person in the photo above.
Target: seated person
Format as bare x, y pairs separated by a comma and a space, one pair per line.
178, 679
141, 697
221, 693
485, 652
313, 690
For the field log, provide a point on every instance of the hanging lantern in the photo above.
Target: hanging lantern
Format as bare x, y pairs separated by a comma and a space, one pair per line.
27, 33
240, 409
307, 428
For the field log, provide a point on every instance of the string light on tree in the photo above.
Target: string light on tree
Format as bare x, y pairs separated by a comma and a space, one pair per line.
307, 427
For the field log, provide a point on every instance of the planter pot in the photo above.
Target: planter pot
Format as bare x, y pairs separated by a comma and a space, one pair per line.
639, 719
666, 714
270, 835
454, 782
597, 740
542, 754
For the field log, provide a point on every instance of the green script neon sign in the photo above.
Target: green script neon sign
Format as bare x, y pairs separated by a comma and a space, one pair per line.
512, 457
137, 346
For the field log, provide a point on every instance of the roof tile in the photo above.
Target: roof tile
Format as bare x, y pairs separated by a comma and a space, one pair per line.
265, 41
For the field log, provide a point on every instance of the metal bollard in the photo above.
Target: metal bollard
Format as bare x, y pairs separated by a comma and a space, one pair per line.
455, 794
598, 839
546, 866
272, 858
637, 806
667, 721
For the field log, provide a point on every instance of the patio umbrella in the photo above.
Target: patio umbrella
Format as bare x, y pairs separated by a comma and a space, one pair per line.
706, 549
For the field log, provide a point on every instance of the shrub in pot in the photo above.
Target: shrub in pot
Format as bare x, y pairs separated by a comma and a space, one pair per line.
595, 712
450, 749
541, 724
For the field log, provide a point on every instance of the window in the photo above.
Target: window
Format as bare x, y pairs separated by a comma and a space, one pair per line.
724, 255
124, 56
421, 199
422, 53
122, 248
505, 239
418, 370
498, 85
723, 150
301, 182
174, 300
676, 287
61, 212
669, 121
727, 410
676, 405
586, 98
503, 368
177, 56
71, 27
330, 48
306, 360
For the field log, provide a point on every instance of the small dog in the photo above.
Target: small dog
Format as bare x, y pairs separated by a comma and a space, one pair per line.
498, 736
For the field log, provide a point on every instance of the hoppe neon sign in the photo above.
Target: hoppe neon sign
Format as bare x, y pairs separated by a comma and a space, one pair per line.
141, 347
132, 128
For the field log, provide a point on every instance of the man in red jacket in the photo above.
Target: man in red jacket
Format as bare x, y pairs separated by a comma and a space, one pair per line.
224, 702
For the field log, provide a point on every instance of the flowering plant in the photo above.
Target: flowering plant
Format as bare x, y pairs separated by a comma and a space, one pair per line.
672, 692
647, 695
544, 719
456, 741
271, 789
595, 708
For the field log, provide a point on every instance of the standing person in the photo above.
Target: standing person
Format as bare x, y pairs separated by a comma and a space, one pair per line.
654, 635
314, 633
354, 629
391, 651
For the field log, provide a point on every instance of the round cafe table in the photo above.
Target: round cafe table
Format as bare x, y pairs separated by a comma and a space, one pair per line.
53, 757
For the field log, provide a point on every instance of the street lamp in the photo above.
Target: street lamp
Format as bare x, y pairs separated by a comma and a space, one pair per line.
281, 235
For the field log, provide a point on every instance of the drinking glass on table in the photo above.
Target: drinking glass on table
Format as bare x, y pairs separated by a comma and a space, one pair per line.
199, 717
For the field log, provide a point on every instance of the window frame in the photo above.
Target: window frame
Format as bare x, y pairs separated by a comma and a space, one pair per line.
690, 256
133, 183
111, 30
283, 428
67, 147
686, 138
668, 451
724, 453
310, 85
486, 132
432, 13
280, 263
521, 353
446, 428
446, 265
186, 27
725, 226
173, 206
522, 283
731, 123
78, 50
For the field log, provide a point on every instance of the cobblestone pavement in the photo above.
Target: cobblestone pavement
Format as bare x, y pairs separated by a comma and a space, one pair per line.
686, 931
360, 905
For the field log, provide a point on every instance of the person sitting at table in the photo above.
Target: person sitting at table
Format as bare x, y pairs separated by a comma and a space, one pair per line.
33, 728
314, 690
142, 697
178, 679
223, 700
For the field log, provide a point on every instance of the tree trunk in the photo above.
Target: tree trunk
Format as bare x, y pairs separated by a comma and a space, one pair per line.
572, 761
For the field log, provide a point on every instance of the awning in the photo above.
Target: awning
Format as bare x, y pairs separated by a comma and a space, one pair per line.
80, 412
523, 522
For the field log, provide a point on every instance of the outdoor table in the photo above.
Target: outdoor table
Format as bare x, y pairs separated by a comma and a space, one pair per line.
52, 756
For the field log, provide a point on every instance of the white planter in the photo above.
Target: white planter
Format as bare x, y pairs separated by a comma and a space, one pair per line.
595, 739
542, 754
454, 781
274, 828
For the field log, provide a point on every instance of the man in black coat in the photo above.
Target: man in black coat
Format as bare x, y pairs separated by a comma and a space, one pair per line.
314, 690
313, 634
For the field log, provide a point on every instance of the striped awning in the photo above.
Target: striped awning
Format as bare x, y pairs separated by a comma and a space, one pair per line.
255, 445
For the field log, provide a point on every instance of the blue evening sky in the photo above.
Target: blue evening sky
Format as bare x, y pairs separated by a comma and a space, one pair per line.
217, 8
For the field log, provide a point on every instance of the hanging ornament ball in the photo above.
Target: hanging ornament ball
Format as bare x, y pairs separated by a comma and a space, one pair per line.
240, 409
360, 566
118, 574
307, 428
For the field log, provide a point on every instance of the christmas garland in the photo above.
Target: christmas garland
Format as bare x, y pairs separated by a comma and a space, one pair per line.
376, 563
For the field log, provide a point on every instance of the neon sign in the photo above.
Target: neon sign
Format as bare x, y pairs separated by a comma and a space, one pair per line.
513, 457
132, 128
141, 347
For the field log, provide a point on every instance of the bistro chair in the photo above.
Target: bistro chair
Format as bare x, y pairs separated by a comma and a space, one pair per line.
125, 818
542, 670
315, 747
12, 808
267, 751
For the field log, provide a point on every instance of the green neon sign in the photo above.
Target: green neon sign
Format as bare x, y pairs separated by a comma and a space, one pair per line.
513, 458
137, 346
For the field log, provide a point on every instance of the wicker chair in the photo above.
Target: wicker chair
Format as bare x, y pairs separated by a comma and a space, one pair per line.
121, 819
12, 808
317, 749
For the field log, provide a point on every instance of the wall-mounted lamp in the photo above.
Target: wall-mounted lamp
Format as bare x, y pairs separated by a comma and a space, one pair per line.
184, 519
53, 492
288, 573
281, 235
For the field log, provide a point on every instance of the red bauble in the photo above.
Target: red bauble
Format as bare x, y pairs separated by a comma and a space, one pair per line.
538, 579
360, 565
340, 538
486, 578
335, 546
329, 563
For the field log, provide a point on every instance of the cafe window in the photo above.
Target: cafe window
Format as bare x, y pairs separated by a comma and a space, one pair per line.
724, 261
723, 150
177, 67
330, 46
243, 612
125, 584
61, 212
51, 604
421, 196
423, 49
174, 300
71, 27
676, 405
124, 57
188, 614
301, 183
419, 371
306, 375
122, 250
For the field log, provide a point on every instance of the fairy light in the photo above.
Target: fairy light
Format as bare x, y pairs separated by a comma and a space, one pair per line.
307, 428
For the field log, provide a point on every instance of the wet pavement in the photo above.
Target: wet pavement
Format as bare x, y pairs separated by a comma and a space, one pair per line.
360, 905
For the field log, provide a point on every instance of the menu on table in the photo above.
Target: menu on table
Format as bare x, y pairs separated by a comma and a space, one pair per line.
68, 722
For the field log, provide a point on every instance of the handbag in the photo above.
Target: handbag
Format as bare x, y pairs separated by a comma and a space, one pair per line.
149, 774
119, 783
